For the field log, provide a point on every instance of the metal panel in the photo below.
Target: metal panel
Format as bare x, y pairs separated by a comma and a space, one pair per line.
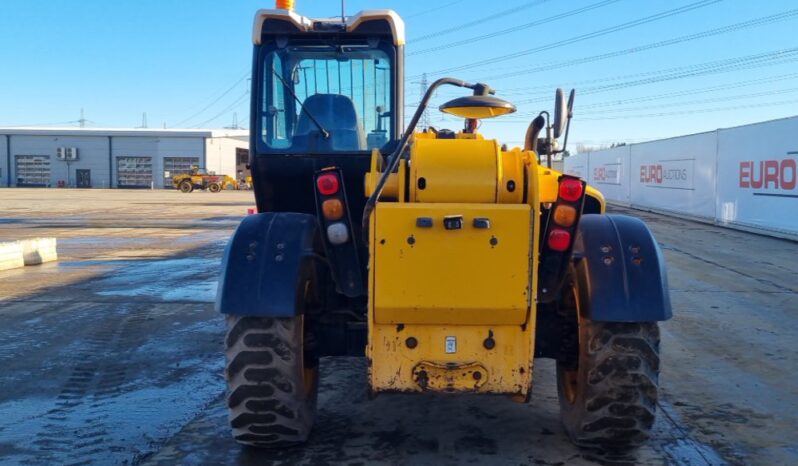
32, 170
134, 172
437, 275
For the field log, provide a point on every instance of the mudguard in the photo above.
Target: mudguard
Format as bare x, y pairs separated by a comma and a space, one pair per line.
620, 271
263, 264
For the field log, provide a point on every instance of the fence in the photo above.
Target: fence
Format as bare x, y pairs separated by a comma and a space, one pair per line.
743, 177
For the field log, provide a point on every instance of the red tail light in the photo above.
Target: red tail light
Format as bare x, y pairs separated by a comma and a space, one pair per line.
328, 184
559, 240
571, 189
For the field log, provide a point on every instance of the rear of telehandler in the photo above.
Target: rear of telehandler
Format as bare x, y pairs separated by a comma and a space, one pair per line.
451, 268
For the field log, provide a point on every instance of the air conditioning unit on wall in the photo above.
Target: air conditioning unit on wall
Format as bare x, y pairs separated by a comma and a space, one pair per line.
70, 153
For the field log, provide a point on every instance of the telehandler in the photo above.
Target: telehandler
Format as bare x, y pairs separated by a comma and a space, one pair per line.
446, 259
199, 178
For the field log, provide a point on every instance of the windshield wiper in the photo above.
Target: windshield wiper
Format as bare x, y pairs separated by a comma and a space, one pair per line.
324, 132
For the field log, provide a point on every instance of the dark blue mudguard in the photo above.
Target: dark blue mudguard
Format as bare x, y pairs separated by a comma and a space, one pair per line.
620, 271
264, 262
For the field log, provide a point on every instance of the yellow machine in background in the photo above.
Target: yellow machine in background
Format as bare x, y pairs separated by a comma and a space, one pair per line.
200, 179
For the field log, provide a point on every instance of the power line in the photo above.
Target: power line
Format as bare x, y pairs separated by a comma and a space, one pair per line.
583, 37
430, 10
478, 22
224, 110
686, 68
521, 27
693, 102
718, 66
705, 110
676, 40
701, 90
214, 101
721, 66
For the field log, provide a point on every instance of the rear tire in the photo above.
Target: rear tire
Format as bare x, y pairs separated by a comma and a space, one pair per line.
608, 394
214, 187
272, 381
186, 186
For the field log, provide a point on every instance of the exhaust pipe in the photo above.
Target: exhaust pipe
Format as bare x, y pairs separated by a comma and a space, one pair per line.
531, 139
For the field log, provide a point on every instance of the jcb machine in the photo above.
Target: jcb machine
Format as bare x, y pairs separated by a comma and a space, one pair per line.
201, 179
446, 259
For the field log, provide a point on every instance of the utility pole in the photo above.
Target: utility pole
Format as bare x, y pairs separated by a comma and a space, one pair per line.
144, 120
424, 121
235, 122
82, 121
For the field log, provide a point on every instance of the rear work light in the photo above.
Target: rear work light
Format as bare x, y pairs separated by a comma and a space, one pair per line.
328, 184
564, 215
559, 240
571, 189
332, 209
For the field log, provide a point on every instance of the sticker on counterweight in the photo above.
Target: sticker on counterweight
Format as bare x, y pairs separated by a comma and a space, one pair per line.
451, 344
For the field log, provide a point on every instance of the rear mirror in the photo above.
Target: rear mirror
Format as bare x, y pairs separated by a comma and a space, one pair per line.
560, 113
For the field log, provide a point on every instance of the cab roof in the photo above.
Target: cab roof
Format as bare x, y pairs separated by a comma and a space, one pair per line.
305, 24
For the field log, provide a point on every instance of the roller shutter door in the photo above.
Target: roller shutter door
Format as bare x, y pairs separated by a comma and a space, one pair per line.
33, 170
134, 172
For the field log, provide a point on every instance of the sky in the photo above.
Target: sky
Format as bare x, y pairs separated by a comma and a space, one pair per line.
642, 69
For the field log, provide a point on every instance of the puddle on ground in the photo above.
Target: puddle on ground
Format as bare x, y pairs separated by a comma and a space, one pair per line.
187, 279
106, 428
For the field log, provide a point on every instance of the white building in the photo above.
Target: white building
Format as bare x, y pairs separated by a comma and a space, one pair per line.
116, 158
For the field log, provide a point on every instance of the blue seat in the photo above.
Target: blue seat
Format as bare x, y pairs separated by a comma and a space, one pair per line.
336, 113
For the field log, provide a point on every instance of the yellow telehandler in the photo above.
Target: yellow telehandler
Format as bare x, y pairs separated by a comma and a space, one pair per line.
448, 260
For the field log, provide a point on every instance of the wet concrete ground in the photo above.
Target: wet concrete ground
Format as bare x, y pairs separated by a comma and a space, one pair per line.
113, 355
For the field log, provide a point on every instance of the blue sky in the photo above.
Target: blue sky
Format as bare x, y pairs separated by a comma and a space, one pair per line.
171, 59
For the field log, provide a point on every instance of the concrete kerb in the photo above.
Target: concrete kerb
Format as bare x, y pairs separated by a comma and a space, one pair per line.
33, 251
11, 255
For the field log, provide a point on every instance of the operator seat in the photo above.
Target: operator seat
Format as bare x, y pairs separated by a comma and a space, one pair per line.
336, 113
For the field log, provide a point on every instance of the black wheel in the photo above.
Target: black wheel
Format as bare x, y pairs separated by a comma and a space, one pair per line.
608, 389
186, 186
272, 379
214, 187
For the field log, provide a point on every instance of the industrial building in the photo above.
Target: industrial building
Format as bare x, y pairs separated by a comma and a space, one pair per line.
116, 158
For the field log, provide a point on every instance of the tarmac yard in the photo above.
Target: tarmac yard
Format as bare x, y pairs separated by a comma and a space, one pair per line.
113, 354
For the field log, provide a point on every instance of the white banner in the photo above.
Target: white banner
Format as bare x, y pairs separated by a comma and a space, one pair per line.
745, 176
758, 175
676, 174
576, 165
609, 173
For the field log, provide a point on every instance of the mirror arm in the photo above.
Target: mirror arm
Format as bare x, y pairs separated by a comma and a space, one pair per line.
567, 130
396, 155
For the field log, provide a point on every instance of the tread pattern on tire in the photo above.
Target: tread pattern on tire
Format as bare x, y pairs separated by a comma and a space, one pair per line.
618, 378
268, 406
